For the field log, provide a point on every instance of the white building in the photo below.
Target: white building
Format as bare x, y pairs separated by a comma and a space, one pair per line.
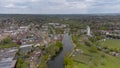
88, 31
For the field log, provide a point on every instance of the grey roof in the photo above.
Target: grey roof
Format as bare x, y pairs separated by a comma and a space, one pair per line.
8, 64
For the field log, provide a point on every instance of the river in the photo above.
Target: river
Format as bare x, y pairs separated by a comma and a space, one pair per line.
58, 61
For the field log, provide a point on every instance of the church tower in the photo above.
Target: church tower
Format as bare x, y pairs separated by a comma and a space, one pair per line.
88, 31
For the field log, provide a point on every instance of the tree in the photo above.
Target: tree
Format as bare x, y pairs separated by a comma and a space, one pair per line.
58, 44
68, 61
6, 40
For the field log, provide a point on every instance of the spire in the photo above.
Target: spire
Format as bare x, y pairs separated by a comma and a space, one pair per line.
88, 31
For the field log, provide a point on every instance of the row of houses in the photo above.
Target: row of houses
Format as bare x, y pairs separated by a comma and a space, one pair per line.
111, 34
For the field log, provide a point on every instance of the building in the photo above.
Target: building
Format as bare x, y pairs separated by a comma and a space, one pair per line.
7, 58
88, 31
8, 63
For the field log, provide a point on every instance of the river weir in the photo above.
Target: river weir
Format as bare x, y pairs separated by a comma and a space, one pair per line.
58, 61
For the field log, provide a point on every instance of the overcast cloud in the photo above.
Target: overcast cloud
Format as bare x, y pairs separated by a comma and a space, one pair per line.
59, 6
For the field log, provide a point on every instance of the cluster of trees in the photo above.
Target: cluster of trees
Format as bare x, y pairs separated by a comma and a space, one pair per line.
59, 44
22, 56
50, 52
68, 62
7, 43
54, 49
74, 38
22, 64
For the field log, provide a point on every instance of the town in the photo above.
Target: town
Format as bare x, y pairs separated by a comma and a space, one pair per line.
58, 41
23, 46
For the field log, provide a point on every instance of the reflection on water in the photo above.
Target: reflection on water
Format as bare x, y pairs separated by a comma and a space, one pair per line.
58, 61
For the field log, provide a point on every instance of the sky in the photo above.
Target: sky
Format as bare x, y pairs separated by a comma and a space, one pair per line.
59, 6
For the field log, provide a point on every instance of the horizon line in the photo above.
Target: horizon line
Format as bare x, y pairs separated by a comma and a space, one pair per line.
57, 13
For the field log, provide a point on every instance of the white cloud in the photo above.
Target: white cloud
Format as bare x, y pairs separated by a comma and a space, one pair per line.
13, 6
60, 6
9, 5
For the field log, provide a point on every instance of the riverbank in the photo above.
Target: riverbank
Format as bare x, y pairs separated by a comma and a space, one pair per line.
49, 53
67, 60
58, 61
74, 46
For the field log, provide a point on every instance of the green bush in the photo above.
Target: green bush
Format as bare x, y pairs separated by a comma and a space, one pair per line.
6, 40
68, 61
59, 44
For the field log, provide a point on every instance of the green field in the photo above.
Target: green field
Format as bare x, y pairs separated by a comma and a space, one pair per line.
8, 45
93, 58
111, 43
106, 62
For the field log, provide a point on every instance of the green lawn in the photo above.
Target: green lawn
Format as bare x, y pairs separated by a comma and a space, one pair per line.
8, 45
78, 65
111, 43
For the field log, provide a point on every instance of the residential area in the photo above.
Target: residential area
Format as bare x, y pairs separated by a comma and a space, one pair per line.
24, 44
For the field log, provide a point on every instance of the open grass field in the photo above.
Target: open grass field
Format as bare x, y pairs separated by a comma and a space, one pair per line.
106, 62
111, 43
97, 59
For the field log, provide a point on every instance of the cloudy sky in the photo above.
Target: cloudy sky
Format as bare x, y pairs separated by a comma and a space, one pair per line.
59, 6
